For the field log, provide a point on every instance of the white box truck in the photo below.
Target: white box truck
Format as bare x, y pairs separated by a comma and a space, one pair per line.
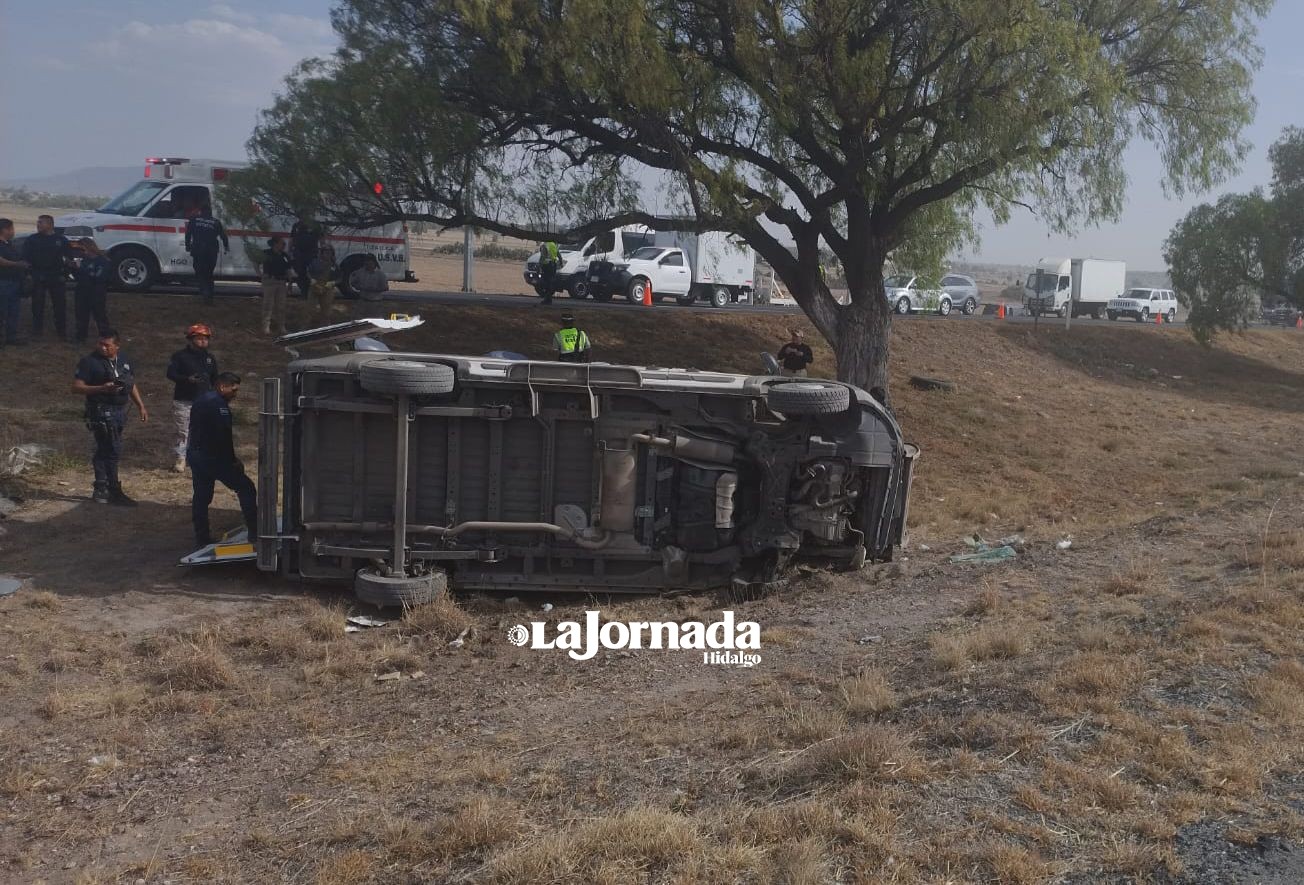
721, 265
610, 245
1083, 285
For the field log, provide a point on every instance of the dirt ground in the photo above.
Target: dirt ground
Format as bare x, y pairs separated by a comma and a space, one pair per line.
1129, 708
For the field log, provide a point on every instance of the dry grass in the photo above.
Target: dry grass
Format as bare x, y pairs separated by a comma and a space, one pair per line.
1139, 578
43, 600
806, 724
873, 752
868, 692
994, 641
197, 665
442, 618
1279, 693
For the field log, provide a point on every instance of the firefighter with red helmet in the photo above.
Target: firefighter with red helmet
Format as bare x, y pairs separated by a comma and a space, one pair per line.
192, 371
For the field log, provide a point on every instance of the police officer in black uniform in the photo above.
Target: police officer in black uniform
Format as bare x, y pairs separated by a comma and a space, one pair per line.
305, 241
49, 255
106, 379
203, 232
212, 458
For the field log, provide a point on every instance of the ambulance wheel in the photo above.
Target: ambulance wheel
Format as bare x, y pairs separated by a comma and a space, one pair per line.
391, 376
352, 263
134, 269
400, 591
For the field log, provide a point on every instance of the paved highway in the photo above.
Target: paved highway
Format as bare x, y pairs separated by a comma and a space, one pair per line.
413, 295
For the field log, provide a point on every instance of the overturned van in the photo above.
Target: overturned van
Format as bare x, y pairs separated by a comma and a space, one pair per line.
401, 472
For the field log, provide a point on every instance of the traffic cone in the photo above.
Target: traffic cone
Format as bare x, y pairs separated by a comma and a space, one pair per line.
647, 294
1159, 319
1000, 311
1299, 322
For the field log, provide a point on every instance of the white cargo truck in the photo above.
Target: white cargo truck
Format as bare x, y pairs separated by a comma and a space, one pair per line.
1082, 285
722, 266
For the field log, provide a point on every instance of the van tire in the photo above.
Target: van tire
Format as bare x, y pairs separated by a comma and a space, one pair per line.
808, 398
637, 286
134, 269
383, 591
393, 377
1143, 316
1172, 315
347, 267
719, 297
970, 307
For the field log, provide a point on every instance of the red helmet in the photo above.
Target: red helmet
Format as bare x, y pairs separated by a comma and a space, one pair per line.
199, 329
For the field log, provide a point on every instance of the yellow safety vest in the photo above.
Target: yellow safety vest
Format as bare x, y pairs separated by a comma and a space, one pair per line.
551, 254
570, 340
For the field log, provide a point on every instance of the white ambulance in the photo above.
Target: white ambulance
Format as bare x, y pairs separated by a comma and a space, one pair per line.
142, 230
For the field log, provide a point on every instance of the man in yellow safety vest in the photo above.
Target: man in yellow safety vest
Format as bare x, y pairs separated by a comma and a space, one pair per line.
549, 264
571, 344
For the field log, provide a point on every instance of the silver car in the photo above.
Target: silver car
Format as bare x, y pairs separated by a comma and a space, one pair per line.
908, 293
963, 292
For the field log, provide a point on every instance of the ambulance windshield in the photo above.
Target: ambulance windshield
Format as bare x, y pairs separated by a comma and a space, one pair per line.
134, 200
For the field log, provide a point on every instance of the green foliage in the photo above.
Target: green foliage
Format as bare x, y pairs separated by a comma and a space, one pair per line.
1226, 257
23, 197
868, 128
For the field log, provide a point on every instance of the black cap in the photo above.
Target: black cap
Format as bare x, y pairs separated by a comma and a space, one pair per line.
568, 317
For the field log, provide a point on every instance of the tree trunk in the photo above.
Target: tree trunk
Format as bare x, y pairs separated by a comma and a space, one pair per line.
862, 336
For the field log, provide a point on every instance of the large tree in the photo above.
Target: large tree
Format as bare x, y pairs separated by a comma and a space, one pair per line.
1226, 257
867, 127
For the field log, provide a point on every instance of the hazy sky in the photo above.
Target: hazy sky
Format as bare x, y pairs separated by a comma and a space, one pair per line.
92, 83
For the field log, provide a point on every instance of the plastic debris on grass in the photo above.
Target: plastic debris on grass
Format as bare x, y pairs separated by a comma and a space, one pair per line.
984, 551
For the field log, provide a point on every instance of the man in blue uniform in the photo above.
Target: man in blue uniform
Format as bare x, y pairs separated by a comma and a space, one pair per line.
202, 235
212, 459
90, 297
48, 254
108, 382
12, 270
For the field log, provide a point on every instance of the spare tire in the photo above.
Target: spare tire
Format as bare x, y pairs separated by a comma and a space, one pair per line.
383, 591
808, 398
406, 376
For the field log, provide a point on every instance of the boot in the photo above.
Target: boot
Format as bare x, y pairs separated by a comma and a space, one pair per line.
100, 495
119, 497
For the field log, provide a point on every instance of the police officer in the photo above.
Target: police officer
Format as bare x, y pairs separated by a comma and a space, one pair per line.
106, 379
305, 240
90, 296
203, 232
192, 371
12, 270
212, 458
571, 344
49, 254
549, 262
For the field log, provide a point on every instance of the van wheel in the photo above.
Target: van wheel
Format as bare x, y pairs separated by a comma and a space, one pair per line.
134, 269
637, 287
401, 591
393, 377
1172, 315
1143, 316
350, 264
944, 307
903, 305
808, 398
970, 307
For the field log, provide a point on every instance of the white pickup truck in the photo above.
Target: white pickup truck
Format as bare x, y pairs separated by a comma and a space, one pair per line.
612, 245
712, 266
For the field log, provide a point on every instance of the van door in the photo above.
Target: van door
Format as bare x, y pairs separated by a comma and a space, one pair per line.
168, 230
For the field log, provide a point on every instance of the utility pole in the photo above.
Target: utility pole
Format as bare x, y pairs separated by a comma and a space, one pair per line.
468, 238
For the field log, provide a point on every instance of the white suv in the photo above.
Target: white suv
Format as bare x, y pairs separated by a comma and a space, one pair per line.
1144, 305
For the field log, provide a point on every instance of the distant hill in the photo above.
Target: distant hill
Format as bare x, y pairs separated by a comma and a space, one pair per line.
93, 181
